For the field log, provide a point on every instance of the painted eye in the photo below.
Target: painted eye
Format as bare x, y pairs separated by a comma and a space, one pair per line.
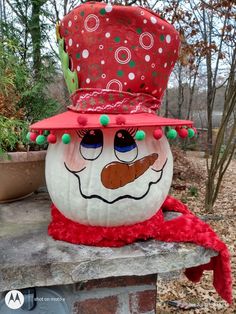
91, 144
125, 146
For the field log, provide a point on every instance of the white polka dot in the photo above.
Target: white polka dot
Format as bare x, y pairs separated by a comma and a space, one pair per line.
77, 45
75, 17
160, 50
145, 21
160, 89
154, 92
125, 83
82, 31
175, 51
153, 65
147, 58
142, 77
168, 39
131, 76
70, 42
142, 13
107, 19
146, 88
85, 53
108, 8
102, 62
165, 65
103, 75
153, 20
107, 35
69, 24
125, 41
101, 47
78, 68
163, 27
87, 80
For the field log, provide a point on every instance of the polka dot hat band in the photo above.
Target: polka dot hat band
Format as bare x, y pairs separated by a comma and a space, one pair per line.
116, 60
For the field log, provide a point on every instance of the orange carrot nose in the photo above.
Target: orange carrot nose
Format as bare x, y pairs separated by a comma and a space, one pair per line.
117, 174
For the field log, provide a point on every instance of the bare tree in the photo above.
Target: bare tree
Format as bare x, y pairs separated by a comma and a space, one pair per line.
226, 138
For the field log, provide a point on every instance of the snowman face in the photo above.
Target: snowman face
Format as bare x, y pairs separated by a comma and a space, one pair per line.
104, 177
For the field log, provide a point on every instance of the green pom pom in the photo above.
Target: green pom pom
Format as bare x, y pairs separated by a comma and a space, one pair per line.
66, 138
191, 133
104, 119
140, 135
41, 139
171, 134
46, 132
28, 136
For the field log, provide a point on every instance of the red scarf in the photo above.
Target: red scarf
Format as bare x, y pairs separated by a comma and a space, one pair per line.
185, 228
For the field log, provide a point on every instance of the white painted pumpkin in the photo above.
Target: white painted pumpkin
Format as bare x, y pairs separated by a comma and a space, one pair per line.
105, 177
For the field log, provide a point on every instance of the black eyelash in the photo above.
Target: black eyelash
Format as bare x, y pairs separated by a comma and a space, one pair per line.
81, 133
132, 131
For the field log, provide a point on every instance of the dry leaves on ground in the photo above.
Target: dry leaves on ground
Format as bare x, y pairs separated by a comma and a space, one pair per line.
189, 186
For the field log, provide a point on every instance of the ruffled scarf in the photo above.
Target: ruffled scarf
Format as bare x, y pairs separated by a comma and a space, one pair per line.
184, 228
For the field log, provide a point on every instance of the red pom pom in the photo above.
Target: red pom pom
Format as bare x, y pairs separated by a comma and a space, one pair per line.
120, 120
52, 139
183, 133
82, 120
157, 134
178, 128
33, 136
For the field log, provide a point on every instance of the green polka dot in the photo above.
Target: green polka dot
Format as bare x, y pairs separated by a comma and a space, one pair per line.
102, 11
110, 48
139, 30
120, 73
133, 47
117, 39
132, 64
78, 56
82, 13
123, 56
154, 73
129, 90
162, 37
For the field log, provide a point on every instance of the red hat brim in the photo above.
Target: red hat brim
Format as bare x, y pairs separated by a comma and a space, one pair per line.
69, 120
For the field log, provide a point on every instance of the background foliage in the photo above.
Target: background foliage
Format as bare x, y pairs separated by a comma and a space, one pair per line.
202, 87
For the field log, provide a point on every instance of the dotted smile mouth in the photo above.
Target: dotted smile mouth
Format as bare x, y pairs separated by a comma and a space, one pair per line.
127, 196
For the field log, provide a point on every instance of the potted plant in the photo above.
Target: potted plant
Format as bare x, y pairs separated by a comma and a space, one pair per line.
22, 101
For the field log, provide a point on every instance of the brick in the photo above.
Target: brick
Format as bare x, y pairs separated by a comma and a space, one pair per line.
142, 301
113, 282
107, 305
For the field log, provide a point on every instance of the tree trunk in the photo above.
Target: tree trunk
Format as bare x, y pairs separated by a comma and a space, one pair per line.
180, 92
35, 32
167, 103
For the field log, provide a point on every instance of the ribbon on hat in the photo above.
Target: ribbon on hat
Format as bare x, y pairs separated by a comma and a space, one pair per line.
112, 101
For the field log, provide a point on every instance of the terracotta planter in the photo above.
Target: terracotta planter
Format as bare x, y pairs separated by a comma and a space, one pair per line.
21, 174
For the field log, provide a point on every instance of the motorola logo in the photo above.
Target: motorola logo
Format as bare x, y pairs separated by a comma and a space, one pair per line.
14, 299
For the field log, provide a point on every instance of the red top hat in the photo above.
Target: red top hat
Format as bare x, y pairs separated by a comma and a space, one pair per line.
116, 60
